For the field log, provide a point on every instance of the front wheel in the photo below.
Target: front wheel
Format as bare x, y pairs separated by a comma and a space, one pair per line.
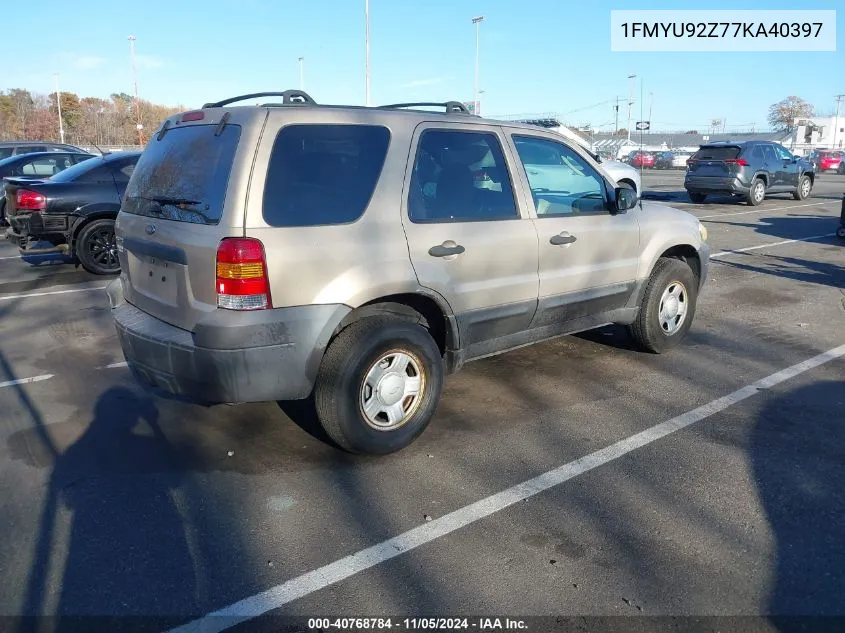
667, 308
378, 385
96, 248
697, 198
804, 188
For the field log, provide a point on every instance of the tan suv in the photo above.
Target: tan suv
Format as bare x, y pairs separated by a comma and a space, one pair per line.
286, 250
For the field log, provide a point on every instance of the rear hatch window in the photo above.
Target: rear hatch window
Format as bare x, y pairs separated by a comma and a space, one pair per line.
183, 177
717, 153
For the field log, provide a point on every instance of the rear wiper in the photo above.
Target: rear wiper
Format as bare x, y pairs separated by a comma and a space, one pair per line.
176, 202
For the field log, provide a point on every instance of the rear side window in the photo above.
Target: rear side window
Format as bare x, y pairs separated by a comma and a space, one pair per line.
717, 153
183, 176
323, 174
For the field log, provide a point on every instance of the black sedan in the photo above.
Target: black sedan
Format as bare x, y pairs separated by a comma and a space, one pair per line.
74, 210
34, 166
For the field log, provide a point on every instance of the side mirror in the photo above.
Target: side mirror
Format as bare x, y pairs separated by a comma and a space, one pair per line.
626, 198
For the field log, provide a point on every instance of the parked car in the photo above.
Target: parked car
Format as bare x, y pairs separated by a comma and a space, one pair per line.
35, 165
663, 160
680, 159
74, 210
830, 161
14, 148
624, 175
641, 159
751, 169
357, 254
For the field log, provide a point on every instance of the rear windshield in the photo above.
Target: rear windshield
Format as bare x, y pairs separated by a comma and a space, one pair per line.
717, 153
323, 174
184, 175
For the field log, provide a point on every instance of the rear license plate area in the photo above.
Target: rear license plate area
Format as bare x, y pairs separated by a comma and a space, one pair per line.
155, 278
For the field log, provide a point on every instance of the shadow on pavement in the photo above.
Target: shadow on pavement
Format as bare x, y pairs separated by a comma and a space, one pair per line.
123, 550
797, 452
785, 226
796, 268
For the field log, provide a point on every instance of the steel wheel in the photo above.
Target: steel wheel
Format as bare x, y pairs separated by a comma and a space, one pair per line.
102, 247
392, 389
673, 307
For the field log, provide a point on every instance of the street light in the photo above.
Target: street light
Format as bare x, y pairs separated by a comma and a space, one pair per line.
301, 73
367, 52
477, 21
630, 102
59, 107
138, 126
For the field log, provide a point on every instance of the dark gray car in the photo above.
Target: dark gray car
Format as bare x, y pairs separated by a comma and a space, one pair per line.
751, 169
16, 148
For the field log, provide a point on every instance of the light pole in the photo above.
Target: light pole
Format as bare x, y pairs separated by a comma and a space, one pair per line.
302, 73
138, 125
630, 102
477, 21
836, 118
367, 52
650, 106
59, 108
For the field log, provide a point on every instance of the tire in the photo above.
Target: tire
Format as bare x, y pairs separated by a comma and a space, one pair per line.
342, 387
627, 185
96, 249
757, 193
805, 186
841, 169
648, 331
697, 198
840, 232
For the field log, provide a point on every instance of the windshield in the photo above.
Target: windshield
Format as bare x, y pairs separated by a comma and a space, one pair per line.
184, 175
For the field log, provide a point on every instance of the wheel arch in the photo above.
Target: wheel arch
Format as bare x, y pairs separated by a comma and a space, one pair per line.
87, 215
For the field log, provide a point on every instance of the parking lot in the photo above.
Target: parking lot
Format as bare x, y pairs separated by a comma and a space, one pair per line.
119, 503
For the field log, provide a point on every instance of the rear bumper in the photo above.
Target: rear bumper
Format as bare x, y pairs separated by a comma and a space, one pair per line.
230, 356
725, 185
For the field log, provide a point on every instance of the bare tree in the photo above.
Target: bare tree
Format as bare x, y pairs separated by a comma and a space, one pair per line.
782, 114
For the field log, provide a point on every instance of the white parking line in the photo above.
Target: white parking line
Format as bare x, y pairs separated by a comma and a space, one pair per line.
122, 363
26, 381
763, 210
51, 292
11, 257
337, 571
754, 248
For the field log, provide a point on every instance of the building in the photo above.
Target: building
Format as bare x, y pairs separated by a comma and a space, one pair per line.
817, 133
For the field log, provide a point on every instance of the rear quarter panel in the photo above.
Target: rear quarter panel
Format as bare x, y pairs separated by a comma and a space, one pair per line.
347, 264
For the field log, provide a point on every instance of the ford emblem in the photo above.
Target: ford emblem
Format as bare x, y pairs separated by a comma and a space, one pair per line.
151, 228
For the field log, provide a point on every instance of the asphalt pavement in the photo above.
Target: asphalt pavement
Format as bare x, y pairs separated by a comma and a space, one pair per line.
576, 477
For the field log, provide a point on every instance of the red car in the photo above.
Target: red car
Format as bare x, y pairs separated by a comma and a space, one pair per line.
830, 161
641, 159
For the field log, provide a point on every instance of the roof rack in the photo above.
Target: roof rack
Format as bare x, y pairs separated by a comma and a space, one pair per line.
289, 97
451, 107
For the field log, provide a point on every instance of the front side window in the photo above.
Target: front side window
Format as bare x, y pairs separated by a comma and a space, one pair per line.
323, 174
568, 185
460, 176
783, 152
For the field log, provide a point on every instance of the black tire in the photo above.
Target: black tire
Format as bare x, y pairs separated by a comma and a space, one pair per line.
96, 249
754, 197
803, 190
627, 185
340, 383
840, 232
647, 331
3, 212
841, 169
697, 198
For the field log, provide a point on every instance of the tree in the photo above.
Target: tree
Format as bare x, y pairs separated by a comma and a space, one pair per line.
691, 132
622, 131
782, 114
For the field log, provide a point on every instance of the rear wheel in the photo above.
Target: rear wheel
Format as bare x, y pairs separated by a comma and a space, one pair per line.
805, 185
757, 193
840, 232
96, 248
667, 308
378, 385
697, 198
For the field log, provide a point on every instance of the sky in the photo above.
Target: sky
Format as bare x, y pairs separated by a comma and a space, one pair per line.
536, 56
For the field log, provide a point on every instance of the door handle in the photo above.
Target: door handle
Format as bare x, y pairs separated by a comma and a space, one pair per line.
449, 248
562, 238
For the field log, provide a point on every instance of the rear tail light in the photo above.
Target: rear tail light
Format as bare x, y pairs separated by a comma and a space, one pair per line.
242, 282
737, 161
30, 200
